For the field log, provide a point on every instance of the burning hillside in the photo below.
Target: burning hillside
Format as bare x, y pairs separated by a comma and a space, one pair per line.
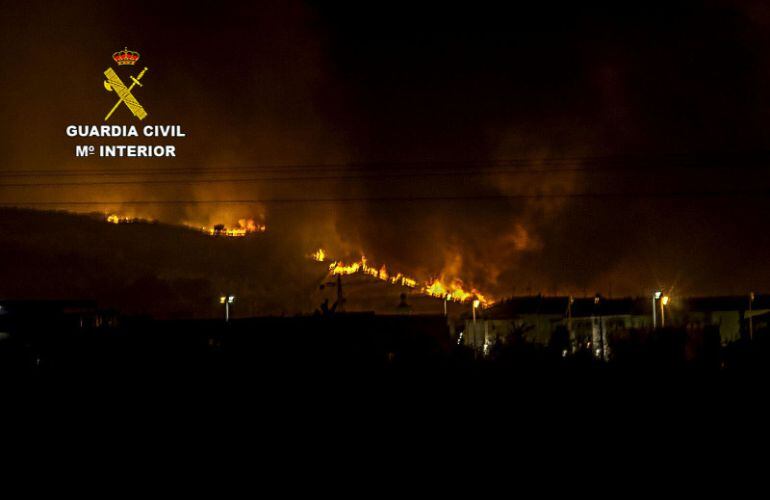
245, 227
443, 286
122, 219
452, 290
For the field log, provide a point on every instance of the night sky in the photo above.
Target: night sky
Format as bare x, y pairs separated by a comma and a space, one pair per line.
548, 147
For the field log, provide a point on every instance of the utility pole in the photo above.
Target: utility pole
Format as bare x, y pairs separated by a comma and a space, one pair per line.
340, 297
474, 306
570, 300
598, 321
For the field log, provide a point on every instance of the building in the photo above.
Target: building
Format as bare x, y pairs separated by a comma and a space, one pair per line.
595, 323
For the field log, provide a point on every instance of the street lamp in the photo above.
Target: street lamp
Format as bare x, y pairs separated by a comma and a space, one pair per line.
655, 296
475, 330
751, 317
663, 303
227, 300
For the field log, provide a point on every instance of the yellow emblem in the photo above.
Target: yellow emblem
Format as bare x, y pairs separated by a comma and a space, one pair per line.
114, 83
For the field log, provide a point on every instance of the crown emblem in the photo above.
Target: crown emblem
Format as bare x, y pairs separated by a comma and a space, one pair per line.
126, 56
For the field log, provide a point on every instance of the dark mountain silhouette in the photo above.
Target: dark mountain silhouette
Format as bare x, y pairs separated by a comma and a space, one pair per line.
150, 268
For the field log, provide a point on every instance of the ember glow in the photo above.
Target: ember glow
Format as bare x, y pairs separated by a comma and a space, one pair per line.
451, 290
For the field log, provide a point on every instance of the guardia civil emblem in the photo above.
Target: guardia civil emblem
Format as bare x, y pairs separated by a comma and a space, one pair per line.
113, 83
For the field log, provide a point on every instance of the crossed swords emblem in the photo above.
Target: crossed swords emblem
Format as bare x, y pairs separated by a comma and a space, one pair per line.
115, 84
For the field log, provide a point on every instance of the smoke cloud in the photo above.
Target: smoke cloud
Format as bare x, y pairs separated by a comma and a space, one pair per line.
421, 103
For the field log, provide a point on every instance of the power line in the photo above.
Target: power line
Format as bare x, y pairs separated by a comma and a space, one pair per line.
409, 199
287, 170
353, 167
316, 178
295, 178
311, 166
700, 160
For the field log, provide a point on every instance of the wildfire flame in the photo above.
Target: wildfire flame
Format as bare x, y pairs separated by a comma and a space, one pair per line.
121, 219
319, 255
436, 287
453, 291
245, 226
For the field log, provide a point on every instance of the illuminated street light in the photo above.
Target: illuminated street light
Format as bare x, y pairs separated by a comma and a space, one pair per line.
751, 317
663, 303
227, 300
655, 296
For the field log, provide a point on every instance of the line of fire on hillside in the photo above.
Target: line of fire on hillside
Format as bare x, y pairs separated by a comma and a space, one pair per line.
369, 314
243, 228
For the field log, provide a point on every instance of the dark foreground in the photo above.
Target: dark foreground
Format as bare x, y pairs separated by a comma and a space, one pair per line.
387, 383
354, 351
